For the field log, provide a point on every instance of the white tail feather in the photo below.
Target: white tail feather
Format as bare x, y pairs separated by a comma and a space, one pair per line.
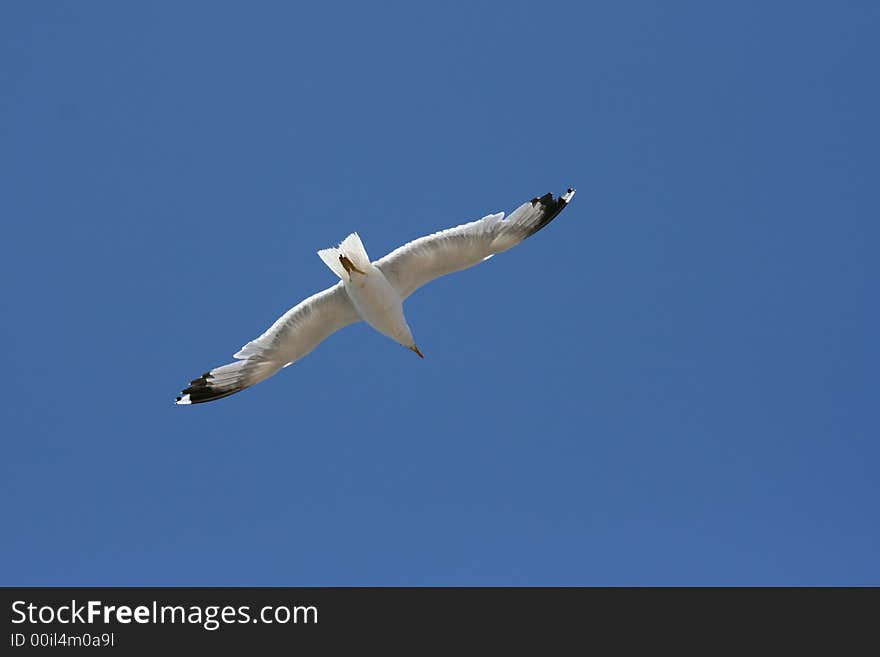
331, 259
353, 249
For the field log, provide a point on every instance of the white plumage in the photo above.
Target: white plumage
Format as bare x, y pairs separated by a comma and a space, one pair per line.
373, 292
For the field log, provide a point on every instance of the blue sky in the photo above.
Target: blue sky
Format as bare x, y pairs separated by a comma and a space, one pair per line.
674, 383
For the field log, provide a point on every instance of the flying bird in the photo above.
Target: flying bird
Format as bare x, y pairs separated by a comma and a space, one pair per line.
373, 292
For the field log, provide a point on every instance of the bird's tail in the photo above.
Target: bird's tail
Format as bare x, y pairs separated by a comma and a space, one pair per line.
351, 249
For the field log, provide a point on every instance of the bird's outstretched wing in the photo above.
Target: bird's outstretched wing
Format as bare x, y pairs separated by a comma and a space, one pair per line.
421, 261
291, 337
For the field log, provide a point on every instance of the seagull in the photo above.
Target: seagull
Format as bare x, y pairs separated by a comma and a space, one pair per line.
373, 292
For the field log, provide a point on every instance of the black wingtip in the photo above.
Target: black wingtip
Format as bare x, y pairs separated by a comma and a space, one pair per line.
200, 391
552, 203
550, 207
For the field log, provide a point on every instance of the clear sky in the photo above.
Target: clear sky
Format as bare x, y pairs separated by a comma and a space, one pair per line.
674, 383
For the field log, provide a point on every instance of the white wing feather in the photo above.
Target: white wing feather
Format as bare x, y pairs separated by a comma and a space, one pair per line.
292, 336
421, 261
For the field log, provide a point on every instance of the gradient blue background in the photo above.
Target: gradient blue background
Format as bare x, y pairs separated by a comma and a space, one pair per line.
675, 383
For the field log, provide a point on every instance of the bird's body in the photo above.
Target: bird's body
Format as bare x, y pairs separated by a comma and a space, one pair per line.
373, 297
379, 304
373, 292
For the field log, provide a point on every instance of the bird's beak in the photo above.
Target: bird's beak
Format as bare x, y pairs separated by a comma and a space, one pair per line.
416, 349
